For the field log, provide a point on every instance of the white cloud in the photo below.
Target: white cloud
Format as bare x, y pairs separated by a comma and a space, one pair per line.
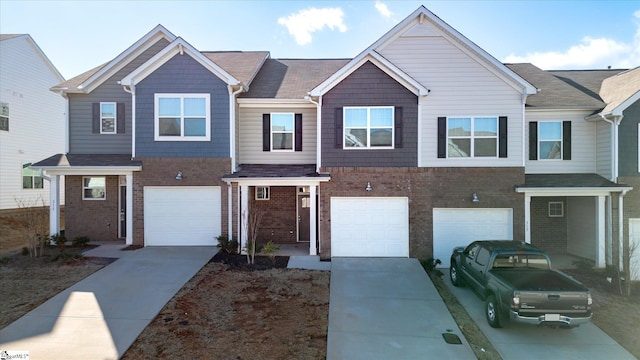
590, 53
308, 21
383, 9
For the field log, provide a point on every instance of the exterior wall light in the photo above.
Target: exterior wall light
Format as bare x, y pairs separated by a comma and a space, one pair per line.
474, 198
179, 176
368, 188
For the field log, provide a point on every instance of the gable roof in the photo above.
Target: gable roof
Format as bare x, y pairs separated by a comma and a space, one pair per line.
291, 78
587, 81
91, 79
489, 61
39, 52
554, 93
620, 91
243, 65
178, 46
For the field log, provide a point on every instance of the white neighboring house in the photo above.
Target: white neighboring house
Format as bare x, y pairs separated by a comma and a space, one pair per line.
32, 121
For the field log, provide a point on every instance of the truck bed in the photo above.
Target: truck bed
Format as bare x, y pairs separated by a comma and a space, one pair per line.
537, 280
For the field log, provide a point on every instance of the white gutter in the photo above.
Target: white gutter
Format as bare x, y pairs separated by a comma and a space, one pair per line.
524, 125
132, 91
318, 128
232, 126
614, 144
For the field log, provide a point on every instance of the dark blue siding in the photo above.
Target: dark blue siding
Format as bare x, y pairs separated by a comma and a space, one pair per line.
182, 74
370, 86
628, 136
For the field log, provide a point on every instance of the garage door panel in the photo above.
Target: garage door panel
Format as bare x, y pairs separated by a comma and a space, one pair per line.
182, 216
459, 227
369, 227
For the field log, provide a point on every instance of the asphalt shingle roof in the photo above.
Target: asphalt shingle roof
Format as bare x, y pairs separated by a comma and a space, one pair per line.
9, 36
567, 181
242, 65
291, 78
274, 171
88, 160
587, 81
618, 88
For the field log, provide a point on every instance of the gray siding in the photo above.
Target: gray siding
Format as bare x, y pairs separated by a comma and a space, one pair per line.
182, 74
370, 86
628, 144
81, 138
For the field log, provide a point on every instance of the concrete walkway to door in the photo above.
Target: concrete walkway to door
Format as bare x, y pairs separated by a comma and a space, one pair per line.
102, 315
388, 308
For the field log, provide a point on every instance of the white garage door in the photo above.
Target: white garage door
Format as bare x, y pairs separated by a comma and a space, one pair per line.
634, 239
377, 227
459, 227
181, 216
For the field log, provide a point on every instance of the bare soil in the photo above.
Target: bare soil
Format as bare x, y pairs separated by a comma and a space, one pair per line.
28, 282
231, 310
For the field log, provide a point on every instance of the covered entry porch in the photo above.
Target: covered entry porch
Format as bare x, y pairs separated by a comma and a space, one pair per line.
575, 214
285, 196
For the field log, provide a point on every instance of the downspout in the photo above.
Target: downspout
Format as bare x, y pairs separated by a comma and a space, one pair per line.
132, 90
232, 124
318, 105
524, 125
614, 147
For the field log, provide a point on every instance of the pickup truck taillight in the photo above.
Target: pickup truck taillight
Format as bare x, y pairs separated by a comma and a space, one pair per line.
589, 300
515, 300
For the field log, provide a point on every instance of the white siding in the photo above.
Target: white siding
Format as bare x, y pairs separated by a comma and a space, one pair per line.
250, 137
582, 150
603, 150
36, 120
461, 85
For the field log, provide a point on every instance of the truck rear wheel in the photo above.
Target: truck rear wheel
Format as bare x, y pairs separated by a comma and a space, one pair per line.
492, 311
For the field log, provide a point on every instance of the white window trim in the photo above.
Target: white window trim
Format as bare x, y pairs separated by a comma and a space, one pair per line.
115, 118
292, 132
182, 137
85, 188
266, 190
369, 147
472, 138
561, 209
561, 140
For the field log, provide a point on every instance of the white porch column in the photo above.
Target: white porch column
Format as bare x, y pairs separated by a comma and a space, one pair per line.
54, 205
230, 210
244, 215
609, 240
129, 209
313, 219
527, 219
600, 231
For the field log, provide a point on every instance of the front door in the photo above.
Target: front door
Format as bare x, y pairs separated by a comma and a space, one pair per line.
304, 204
122, 216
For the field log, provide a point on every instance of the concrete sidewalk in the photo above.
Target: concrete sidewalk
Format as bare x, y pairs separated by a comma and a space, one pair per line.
388, 308
101, 316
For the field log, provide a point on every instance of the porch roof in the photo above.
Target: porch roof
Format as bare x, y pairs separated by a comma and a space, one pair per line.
72, 163
569, 183
275, 172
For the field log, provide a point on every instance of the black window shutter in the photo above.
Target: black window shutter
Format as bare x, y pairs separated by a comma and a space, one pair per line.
502, 137
398, 127
120, 118
442, 137
96, 118
298, 130
533, 140
337, 127
266, 132
566, 140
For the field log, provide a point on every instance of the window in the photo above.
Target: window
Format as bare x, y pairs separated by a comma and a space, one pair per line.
94, 188
282, 131
108, 118
556, 209
368, 127
182, 117
262, 193
483, 257
4, 116
31, 178
472, 137
550, 140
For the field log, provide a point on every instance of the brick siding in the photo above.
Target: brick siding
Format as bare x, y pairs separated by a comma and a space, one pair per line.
279, 223
97, 219
548, 233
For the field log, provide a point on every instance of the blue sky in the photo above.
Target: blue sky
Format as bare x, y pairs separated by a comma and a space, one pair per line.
78, 35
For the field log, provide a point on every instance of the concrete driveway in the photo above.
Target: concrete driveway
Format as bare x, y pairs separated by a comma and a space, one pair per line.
388, 308
518, 341
102, 315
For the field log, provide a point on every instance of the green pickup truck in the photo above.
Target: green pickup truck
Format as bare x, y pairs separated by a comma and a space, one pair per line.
517, 283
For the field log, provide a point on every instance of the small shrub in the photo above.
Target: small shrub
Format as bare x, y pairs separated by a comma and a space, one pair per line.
429, 266
80, 241
25, 251
5, 260
270, 249
226, 245
59, 240
65, 256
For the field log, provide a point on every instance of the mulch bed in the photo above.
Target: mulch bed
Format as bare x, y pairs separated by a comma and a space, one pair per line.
239, 262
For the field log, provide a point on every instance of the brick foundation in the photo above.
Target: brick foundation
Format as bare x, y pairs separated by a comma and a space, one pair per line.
97, 219
279, 223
